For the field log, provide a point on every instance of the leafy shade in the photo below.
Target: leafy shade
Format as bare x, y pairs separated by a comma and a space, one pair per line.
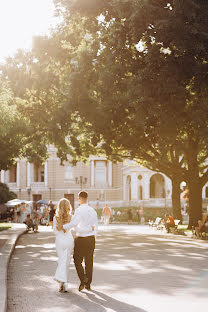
6, 194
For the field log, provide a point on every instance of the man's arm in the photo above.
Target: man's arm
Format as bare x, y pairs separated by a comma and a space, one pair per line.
73, 223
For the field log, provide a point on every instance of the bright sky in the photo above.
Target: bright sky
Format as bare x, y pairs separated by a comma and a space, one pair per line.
20, 20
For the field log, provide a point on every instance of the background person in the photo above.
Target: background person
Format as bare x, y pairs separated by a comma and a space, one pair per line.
28, 221
130, 216
138, 216
141, 212
169, 222
106, 213
35, 220
51, 212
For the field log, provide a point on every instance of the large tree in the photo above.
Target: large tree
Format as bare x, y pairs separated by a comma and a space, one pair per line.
17, 136
133, 76
143, 71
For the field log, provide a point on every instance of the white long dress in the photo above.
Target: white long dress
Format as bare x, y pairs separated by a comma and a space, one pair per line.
64, 249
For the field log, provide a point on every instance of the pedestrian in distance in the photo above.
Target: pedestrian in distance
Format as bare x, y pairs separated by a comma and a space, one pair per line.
141, 212
138, 216
130, 215
51, 212
106, 213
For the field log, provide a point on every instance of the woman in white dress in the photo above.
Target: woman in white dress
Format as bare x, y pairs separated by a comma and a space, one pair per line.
64, 243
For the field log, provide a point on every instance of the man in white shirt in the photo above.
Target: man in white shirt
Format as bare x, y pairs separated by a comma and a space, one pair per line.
84, 217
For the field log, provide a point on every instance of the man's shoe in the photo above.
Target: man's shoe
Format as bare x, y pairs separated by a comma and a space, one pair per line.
81, 287
85, 279
87, 287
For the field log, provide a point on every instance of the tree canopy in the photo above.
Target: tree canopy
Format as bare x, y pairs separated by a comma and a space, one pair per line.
6, 194
128, 78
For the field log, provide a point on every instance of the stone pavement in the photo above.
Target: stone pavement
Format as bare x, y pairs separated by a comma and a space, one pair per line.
8, 240
136, 269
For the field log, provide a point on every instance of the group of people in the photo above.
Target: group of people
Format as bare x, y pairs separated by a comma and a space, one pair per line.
80, 242
33, 219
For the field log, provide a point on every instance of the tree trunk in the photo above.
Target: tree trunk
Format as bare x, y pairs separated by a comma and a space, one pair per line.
195, 202
176, 202
194, 184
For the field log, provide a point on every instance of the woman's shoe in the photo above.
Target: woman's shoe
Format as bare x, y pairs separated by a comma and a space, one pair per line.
61, 288
65, 287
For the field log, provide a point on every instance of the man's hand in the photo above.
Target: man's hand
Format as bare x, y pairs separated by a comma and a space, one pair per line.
59, 227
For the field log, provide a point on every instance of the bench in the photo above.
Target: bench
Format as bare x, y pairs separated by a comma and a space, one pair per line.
158, 223
174, 229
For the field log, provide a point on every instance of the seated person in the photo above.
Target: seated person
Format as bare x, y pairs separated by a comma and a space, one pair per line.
36, 220
169, 222
28, 222
203, 226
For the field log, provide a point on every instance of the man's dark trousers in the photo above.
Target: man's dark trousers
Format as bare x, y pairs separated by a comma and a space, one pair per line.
84, 249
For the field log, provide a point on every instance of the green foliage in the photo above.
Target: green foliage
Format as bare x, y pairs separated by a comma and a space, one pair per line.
6, 194
5, 226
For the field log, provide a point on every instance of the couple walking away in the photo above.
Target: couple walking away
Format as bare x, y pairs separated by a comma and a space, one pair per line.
85, 223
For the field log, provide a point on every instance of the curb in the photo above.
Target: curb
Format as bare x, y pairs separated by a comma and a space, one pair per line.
5, 254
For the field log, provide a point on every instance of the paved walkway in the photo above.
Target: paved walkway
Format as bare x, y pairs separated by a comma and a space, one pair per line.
136, 269
8, 239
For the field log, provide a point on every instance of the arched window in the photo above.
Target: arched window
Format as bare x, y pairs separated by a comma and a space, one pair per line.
157, 186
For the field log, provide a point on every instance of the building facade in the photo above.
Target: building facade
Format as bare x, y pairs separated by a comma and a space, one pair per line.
120, 185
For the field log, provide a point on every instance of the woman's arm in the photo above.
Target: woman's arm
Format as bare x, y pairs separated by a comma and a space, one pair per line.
55, 225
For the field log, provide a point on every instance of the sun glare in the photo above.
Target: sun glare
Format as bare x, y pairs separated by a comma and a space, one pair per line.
20, 20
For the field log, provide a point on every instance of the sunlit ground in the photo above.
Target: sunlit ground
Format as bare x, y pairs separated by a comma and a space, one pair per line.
136, 269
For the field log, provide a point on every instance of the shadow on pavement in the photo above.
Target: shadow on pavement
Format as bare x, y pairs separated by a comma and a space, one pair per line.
102, 299
123, 263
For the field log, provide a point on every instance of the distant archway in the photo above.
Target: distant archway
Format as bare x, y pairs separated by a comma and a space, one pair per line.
157, 186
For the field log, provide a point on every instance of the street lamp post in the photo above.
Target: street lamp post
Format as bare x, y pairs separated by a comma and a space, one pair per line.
81, 181
19, 193
50, 192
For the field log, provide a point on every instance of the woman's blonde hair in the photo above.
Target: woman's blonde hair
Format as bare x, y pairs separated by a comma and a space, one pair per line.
63, 211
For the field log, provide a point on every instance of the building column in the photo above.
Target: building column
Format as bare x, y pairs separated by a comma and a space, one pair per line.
18, 174
124, 187
110, 174
46, 173
28, 174
92, 177
133, 186
2, 176
146, 186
